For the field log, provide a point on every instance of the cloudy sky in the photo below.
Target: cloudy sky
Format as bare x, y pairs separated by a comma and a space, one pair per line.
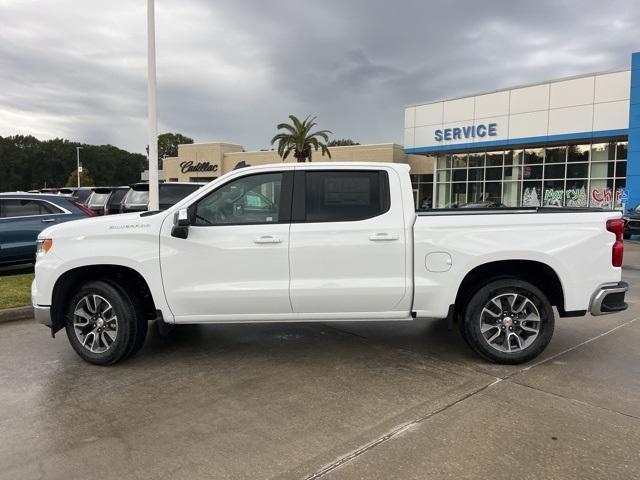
229, 70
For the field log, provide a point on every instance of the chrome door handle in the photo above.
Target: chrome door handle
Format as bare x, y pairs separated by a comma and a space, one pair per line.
267, 239
383, 237
48, 220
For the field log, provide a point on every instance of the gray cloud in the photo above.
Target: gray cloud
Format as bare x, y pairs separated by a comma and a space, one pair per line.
230, 70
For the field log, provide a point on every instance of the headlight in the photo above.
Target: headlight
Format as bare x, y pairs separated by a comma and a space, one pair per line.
43, 245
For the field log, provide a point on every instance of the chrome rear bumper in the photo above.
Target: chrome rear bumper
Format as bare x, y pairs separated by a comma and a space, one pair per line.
609, 299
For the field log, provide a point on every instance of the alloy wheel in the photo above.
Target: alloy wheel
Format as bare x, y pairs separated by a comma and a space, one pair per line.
95, 323
510, 322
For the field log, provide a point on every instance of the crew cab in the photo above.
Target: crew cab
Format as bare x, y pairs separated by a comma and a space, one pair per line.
323, 242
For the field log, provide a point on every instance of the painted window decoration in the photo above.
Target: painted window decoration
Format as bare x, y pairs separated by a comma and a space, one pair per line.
573, 175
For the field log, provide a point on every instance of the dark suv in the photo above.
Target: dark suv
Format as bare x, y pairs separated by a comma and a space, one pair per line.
137, 198
24, 215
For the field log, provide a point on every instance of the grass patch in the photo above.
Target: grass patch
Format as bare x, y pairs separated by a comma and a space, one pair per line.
15, 290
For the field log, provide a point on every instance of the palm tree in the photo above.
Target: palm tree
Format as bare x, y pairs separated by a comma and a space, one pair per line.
298, 138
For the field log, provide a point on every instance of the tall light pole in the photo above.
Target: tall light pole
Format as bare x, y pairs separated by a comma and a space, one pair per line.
152, 113
78, 163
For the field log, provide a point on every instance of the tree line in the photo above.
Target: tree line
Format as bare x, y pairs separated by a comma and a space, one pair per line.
27, 163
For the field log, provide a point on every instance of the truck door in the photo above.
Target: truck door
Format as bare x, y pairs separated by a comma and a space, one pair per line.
347, 242
234, 263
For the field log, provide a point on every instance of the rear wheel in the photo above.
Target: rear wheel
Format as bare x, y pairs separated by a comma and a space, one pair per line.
103, 324
508, 321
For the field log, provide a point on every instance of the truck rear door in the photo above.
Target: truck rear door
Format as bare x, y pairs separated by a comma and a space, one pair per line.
347, 243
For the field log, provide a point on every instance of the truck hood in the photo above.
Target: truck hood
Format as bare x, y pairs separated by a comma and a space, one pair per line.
104, 225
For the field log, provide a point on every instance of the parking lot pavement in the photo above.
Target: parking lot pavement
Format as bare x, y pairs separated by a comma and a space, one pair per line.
325, 401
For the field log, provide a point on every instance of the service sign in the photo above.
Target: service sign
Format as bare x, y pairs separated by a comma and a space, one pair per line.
467, 132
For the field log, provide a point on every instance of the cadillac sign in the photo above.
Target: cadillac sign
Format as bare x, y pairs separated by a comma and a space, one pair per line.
190, 166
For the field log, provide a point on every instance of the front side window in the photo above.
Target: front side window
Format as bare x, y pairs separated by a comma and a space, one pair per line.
25, 208
340, 196
254, 199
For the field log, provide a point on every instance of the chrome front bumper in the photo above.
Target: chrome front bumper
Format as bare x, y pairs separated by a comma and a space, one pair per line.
609, 299
42, 315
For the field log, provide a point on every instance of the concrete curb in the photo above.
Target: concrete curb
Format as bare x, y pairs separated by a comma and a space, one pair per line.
17, 313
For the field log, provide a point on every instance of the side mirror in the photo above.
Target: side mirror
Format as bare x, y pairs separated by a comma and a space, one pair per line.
181, 224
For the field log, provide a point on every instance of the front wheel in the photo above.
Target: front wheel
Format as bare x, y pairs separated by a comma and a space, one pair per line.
103, 324
508, 321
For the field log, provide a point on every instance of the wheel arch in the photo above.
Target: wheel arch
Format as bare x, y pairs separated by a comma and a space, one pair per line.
120, 276
537, 273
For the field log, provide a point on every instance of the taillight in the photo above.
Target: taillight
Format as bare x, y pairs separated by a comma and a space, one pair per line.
87, 211
617, 227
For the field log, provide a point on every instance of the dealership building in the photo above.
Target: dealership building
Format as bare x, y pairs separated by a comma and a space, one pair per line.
571, 142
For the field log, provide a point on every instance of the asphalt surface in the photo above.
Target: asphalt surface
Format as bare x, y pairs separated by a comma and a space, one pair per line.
345, 401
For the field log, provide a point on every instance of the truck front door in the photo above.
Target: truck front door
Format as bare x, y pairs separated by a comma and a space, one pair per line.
234, 263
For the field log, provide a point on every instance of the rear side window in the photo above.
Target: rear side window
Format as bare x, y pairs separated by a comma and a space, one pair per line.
26, 208
342, 196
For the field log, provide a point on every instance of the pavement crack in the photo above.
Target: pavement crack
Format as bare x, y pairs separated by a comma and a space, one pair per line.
571, 399
394, 433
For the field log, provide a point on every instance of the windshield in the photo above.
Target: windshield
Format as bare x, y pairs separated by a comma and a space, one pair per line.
137, 197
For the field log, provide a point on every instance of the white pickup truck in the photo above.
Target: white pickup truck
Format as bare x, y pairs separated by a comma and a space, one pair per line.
324, 242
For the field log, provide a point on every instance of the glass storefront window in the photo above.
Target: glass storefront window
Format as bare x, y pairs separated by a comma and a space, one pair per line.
493, 192
476, 160
555, 170
444, 161
475, 193
476, 174
621, 169
459, 175
533, 155
444, 176
459, 160
553, 193
601, 152
458, 194
621, 153
619, 186
512, 173
531, 194
511, 196
578, 153
575, 193
601, 193
494, 159
578, 175
493, 173
513, 157
577, 170
602, 169
556, 155
531, 172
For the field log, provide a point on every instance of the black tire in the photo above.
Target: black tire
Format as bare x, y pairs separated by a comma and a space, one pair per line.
131, 325
504, 290
626, 236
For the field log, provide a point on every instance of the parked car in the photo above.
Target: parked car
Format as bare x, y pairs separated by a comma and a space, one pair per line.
327, 242
80, 194
631, 222
24, 215
137, 198
114, 202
